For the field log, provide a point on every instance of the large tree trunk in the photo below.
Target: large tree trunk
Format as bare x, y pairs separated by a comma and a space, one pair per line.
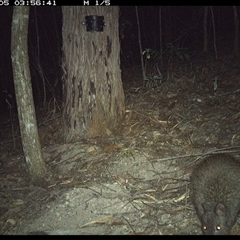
93, 93
23, 90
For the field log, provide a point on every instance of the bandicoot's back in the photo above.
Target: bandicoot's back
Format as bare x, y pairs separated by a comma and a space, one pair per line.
215, 193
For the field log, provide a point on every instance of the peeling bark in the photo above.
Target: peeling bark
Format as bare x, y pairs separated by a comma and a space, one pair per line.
93, 92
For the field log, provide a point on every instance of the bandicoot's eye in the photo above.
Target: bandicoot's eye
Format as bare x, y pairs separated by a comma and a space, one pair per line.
218, 227
204, 227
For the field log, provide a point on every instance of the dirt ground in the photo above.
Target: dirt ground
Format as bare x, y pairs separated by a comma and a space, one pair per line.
134, 181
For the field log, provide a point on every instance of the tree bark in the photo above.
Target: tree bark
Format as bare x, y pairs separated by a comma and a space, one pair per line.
24, 97
93, 101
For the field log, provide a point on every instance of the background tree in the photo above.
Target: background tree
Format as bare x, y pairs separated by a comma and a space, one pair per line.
24, 98
93, 98
205, 33
236, 27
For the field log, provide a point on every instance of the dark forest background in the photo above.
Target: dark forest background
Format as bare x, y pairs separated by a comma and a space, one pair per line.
181, 30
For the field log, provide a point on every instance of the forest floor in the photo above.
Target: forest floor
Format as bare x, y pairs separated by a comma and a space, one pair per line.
136, 180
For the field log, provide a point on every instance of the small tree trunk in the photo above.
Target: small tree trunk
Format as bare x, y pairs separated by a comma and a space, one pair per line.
140, 45
214, 33
236, 39
23, 90
205, 35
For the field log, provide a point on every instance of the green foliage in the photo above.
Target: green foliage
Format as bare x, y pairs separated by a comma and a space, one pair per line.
152, 60
150, 53
156, 65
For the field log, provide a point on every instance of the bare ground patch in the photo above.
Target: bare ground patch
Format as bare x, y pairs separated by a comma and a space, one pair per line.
135, 181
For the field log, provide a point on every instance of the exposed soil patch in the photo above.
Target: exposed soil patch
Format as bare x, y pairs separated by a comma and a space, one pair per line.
136, 180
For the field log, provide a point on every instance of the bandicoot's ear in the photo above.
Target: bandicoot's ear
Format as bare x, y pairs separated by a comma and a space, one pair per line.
220, 209
201, 209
